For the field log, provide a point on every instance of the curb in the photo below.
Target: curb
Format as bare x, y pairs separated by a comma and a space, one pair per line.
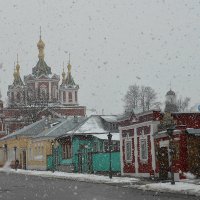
81, 179
147, 188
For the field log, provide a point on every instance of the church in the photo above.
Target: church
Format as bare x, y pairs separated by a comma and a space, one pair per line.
39, 94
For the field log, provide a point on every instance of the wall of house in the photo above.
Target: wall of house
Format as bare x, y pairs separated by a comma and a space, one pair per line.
140, 136
37, 152
194, 154
9, 155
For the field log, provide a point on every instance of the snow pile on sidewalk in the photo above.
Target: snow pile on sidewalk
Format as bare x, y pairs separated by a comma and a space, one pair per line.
180, 187
74, 176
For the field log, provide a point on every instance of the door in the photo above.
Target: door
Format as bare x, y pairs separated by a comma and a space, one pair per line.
85, 161
163, 161
24, 159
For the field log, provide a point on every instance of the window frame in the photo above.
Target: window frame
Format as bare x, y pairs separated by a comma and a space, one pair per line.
127, 141
144, 143
66, 151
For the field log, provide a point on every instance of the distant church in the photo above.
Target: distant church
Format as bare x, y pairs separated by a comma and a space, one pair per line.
40, 89
170, 103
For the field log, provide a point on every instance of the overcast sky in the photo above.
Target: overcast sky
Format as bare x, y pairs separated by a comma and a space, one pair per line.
113, 44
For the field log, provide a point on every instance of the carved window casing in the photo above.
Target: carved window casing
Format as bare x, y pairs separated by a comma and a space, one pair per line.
143, 147
128, 148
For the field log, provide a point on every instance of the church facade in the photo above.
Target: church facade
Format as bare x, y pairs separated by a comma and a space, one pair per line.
40, 94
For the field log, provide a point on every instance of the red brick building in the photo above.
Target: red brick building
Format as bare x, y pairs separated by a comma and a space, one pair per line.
137, 143
145, 144
183, 141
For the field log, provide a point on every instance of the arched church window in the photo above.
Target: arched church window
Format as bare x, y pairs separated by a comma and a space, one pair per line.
76, 97
18, 97
12, 96
43, 91
54, 91
70, 96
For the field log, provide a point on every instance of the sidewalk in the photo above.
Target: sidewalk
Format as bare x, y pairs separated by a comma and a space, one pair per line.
185, 186
75, 176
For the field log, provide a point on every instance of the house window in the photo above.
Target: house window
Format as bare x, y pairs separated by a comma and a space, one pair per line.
128, 149
66, 153
30, 153
70, 96
143, 149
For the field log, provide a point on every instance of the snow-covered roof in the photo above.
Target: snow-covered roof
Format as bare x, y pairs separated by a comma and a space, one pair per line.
93, 125
30, 130
50, 129
61, 127
193, 131
115, 136
109, 118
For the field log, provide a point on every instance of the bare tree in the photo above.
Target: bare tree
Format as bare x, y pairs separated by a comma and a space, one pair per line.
139, 98
131, 98
150, 97
183, 103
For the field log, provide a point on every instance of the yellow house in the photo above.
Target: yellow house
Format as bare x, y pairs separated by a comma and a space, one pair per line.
32, 144
14, 146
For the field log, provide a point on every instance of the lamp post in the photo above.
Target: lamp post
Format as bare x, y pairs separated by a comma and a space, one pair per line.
6, 151
15, 149
110, 163
52, 149
171, 151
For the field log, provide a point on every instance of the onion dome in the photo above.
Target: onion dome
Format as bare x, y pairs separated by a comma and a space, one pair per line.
17, 66
63, 74
41, 46
170, 92
69, 67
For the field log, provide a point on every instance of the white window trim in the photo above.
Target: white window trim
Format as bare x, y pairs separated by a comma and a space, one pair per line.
143, 137
125, 141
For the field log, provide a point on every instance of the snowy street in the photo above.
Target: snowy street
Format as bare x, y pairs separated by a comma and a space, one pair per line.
20, 186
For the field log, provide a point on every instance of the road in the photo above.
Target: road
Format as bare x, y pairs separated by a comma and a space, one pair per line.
19, 187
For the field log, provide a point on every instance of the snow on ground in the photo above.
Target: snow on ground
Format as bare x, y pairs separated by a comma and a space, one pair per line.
180, 187
73, 176
184, 187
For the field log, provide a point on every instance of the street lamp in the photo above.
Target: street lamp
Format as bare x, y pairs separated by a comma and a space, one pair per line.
15, 149
6, 151
52, 149
171, 151
109, 144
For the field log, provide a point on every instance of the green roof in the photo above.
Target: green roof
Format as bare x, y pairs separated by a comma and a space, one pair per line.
41, 68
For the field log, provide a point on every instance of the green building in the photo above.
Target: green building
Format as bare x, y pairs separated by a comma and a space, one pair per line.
85, 149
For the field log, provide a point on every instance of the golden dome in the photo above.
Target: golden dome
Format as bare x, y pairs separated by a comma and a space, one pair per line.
40, 44
69, 67
15, 74
17, 67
